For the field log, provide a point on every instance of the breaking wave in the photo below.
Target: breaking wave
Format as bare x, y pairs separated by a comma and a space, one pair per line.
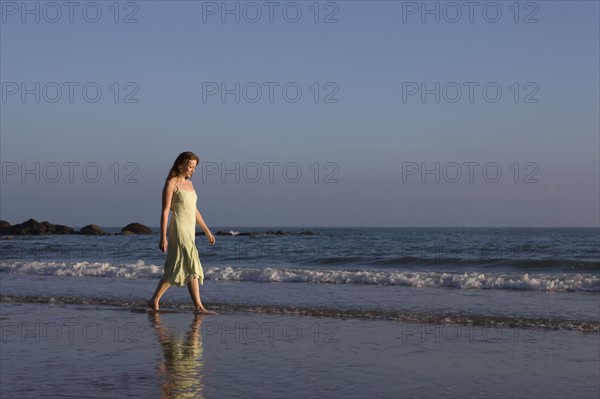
578, 282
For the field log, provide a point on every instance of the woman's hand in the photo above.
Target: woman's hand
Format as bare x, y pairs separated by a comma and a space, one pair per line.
211, 238
163, 244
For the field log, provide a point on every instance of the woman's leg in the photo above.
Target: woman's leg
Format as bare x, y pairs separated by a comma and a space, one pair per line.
194, 290
160, 290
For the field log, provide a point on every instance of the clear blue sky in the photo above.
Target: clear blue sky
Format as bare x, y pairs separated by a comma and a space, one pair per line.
373, 137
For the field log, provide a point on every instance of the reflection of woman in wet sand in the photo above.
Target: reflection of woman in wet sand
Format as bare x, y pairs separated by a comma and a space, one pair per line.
181, 369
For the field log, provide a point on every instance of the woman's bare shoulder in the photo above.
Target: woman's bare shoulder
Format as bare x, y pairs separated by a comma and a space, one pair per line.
170, 184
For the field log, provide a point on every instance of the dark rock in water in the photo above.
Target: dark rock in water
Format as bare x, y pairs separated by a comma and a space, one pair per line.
256, 234
4, 226
92, 230
278, 233
48, 227
136, 228
33, 227
249, 233
57, 228
62, 229
29, 228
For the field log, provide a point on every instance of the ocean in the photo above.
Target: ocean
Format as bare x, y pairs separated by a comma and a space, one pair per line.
458, 287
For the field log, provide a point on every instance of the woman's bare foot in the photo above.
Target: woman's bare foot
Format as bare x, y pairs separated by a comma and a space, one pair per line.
205, 311
152, 305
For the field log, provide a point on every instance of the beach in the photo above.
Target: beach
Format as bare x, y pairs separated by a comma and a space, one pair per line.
109, 351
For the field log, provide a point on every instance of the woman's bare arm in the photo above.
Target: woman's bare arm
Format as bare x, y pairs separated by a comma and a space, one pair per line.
167, 195
204, 227
201, 223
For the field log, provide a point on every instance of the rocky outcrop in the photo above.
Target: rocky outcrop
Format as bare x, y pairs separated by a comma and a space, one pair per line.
136, 228
250, 233
57, 229
32, 227
92, 230
256, 233
225, 233
278, 233
4, 226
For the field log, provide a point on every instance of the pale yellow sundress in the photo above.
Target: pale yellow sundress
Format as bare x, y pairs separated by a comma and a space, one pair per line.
183, 262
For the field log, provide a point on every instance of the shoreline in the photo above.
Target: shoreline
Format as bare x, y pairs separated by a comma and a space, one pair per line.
430, 318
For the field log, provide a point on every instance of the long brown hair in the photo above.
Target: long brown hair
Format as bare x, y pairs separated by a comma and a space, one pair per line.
180, 162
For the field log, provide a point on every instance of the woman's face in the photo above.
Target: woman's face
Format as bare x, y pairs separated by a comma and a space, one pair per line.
188, 169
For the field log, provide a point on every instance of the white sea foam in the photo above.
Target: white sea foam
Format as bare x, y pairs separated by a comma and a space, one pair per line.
431, 279
82, 269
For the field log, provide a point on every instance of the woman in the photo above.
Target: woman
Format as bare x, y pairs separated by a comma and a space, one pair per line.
182, 265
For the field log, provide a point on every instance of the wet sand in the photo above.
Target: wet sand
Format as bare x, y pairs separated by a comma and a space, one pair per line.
106, 351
